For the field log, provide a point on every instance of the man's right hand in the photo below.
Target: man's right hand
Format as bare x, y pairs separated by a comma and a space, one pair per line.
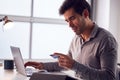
36, 65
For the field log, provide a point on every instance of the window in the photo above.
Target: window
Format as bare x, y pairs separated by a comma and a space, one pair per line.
15, 7
47, 8
39, 30
17, 36
50, 38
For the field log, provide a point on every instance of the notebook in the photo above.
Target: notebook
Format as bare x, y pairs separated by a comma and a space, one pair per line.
19, 63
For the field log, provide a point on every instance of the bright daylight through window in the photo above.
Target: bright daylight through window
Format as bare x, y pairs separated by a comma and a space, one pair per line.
38, 29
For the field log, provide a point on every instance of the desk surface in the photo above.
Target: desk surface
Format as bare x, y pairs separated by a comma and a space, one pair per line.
11, 75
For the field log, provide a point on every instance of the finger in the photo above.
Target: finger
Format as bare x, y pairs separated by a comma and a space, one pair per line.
63, 61
35, 66
27, 64
30, 64
63, 64
60, 55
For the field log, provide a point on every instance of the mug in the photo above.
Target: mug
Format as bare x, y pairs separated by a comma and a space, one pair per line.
9, 64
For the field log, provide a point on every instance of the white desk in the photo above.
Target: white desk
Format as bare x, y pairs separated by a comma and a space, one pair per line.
14, 75
11, 75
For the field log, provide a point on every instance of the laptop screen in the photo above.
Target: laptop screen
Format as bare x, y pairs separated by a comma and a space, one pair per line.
18, 60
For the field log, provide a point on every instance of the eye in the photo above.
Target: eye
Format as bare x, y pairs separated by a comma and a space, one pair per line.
72, 18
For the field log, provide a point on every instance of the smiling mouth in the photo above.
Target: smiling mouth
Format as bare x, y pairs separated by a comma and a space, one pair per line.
74, 29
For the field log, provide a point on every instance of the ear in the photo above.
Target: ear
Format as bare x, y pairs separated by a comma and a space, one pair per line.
85, 13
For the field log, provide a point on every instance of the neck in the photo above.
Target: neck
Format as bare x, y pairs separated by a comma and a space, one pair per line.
86, 34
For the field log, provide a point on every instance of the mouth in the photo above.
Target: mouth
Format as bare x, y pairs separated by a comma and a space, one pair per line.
74, 29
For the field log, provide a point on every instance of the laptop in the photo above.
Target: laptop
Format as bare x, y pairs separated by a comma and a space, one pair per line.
35, 74
19, 63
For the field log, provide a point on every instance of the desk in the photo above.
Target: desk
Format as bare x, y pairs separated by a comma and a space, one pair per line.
11, 75
14, 75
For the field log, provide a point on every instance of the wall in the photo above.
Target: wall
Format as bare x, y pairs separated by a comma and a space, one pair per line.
108, 16
102, 13
115, 22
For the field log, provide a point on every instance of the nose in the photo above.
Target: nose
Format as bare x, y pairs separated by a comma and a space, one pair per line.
70, 23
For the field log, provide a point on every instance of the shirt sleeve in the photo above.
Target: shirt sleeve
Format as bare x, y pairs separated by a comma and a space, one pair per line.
52, 66
108, 61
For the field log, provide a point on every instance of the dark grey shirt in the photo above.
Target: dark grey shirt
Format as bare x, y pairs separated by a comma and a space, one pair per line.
95, 59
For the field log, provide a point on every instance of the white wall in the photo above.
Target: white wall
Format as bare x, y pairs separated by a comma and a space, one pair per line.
102, 13
115, 21
108, 17
114, 17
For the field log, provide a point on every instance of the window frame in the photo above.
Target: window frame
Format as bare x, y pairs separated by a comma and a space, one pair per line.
30, 19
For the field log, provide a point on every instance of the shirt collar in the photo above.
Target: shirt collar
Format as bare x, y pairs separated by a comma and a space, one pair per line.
94, 31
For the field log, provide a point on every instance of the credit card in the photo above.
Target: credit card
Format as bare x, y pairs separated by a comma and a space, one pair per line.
54, 56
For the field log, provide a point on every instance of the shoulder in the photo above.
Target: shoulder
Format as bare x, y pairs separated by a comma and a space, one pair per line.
106, 38
105, 33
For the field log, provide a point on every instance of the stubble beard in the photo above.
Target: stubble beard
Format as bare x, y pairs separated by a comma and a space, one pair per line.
82, 28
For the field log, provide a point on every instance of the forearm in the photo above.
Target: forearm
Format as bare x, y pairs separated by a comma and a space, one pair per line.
52, 66
88, 73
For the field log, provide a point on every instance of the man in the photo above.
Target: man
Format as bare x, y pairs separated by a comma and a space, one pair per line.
93, 51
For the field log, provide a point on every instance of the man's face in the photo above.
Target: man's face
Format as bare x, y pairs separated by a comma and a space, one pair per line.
75, 21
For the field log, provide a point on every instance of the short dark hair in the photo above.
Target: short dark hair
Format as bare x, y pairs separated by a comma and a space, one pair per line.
77, 5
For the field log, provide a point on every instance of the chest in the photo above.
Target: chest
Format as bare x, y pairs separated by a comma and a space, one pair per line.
86, 53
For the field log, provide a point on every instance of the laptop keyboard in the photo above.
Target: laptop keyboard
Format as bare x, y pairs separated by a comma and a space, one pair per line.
29, 71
